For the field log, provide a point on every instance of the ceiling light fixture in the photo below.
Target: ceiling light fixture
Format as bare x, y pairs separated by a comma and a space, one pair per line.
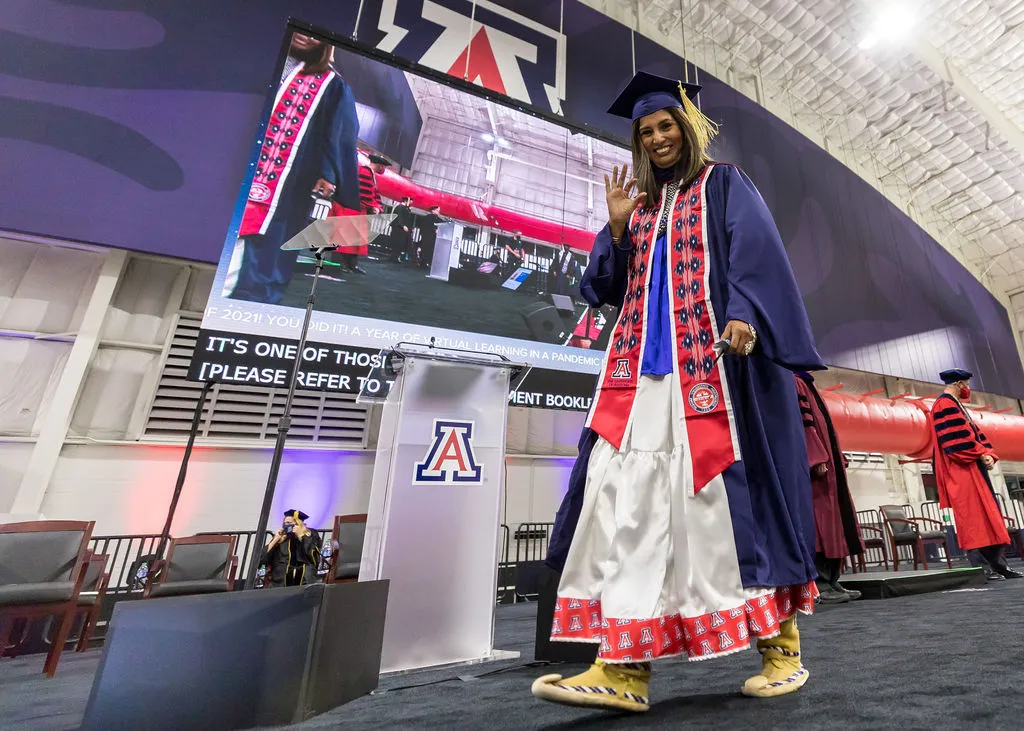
892, 25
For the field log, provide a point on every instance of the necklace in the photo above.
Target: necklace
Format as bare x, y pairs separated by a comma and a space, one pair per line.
670, 194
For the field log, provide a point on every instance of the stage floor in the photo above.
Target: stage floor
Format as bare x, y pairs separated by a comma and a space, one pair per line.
892, 584
942, 660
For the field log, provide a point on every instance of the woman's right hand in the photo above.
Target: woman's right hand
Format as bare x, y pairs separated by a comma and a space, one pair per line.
621, 203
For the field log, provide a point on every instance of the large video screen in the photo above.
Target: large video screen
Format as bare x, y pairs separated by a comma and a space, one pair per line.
494, 213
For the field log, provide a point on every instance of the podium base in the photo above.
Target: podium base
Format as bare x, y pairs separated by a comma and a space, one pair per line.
494, 656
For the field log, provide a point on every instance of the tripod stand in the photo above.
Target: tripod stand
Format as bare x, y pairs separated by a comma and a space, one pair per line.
319, 237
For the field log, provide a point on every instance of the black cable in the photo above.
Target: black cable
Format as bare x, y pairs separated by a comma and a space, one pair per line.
465, 678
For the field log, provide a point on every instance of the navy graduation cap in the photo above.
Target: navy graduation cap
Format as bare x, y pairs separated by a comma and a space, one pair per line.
954, 375
297, 514
647, 93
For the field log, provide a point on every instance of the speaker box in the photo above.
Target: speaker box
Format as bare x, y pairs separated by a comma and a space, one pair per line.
238, 659
544, 648
544, 323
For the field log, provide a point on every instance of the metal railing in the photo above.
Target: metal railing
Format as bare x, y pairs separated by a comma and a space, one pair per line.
124, 553
930, 509
128, 551
531, 541
1018, 512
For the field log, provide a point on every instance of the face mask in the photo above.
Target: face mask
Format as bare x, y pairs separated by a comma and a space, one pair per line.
965, 393
288, 528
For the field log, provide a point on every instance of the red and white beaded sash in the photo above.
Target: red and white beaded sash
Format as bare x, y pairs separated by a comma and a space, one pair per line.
711, 434
297, 99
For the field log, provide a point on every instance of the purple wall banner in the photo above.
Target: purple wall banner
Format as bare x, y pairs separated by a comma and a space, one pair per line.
132, 124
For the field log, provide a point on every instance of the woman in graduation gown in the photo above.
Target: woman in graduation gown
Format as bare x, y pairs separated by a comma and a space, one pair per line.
687, 528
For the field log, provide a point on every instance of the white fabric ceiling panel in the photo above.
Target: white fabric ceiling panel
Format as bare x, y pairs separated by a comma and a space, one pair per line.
952, 143
45, 288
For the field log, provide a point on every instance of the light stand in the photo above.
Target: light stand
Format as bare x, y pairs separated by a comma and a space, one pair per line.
165, 535
283, 425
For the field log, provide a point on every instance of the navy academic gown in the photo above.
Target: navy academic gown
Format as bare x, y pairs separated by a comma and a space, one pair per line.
750, 280
328, 151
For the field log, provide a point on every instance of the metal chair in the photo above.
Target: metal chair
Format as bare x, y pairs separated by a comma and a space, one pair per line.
42, 568
194, 565
905, 530
872, 535
94, 588
346, 548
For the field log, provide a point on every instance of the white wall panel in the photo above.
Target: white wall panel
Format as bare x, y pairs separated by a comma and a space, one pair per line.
566, 433
110, 393
540, 435
29, 371
549, 479
13, 461
517, 431
872, 486
51, 292
534, 489
137, 312
517, 503
127, 488
198, 290
15, 259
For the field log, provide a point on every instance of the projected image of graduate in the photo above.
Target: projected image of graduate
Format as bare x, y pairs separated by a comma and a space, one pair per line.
308, 154
494, 212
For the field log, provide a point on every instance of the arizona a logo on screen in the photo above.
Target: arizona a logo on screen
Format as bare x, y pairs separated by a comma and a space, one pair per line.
450, 459
497, 49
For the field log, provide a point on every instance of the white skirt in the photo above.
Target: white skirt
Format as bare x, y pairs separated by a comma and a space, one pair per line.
653, 570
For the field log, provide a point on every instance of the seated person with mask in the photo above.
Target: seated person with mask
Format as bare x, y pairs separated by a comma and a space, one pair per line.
293, 554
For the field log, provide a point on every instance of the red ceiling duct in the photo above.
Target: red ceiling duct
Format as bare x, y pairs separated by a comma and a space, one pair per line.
866, 424
394, 186
1005, 432
902, 427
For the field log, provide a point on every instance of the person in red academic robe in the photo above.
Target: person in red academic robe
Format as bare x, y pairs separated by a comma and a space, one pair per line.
837, 534
962, 458
369, 204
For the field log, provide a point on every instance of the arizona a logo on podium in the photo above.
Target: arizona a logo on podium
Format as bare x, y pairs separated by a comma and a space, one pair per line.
450, 459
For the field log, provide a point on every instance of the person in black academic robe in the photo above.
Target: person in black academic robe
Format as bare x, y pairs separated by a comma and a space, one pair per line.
428, 235
401, 231
513, 253
293, 554
564, 270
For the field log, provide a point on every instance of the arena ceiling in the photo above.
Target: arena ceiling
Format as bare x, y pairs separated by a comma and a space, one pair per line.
923, 98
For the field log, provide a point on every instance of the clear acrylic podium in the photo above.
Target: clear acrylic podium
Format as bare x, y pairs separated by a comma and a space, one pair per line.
433, 523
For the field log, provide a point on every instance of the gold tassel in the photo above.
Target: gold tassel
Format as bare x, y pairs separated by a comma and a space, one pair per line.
704, 127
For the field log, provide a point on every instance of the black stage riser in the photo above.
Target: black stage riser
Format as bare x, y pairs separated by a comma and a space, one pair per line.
238, 659
892, 584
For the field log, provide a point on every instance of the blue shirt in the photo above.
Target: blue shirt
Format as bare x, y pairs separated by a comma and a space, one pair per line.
658, 355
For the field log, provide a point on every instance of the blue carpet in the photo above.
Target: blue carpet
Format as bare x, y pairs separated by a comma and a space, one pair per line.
943, 660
